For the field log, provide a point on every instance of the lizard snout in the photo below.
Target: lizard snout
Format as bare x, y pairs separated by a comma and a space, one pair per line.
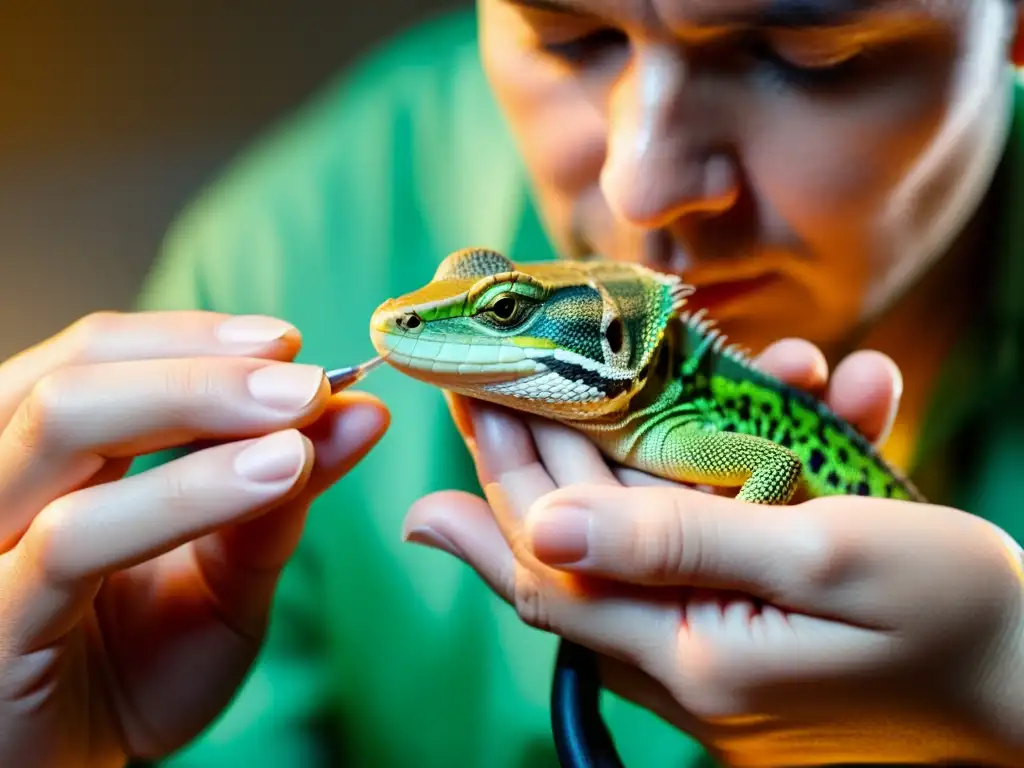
389, 318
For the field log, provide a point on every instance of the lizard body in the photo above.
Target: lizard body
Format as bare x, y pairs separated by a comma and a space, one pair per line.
610, 349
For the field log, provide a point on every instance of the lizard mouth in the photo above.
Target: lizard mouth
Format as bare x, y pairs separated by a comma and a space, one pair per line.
454, 359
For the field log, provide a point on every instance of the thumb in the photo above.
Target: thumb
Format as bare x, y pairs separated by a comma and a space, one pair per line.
673, 536
714, 547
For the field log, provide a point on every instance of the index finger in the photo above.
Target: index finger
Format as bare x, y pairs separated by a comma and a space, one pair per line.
797, 363
106, 337
681, 538
509, 467
863, 390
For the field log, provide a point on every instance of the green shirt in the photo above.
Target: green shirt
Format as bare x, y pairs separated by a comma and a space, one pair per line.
382, 653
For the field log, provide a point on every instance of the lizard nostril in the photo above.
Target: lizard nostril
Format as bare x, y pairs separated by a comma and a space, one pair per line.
409, 322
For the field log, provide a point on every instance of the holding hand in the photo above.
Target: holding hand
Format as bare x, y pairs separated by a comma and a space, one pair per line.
132, 607
840, 629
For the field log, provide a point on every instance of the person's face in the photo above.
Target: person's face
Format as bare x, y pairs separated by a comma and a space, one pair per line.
796, 160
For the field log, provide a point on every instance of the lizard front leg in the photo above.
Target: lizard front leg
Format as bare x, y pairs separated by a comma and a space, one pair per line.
690, 452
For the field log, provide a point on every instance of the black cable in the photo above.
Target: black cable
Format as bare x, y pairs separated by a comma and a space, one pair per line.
582, 739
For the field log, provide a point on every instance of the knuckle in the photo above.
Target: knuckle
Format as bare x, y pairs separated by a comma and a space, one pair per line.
681, 538
87, 335
190, 380
528, 600
827, 555
706, 681
652, 546
175, 490
42, 409
51, 532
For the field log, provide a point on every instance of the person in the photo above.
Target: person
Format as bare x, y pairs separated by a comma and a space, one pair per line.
840, 181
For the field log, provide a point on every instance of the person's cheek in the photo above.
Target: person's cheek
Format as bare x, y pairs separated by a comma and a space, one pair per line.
826, 169
838, 154
816, 195
555, 115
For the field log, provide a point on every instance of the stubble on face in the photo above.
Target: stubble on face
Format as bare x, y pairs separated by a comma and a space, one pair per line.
690, 135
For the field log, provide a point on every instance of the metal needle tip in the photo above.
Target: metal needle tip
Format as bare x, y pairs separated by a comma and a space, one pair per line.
343, 378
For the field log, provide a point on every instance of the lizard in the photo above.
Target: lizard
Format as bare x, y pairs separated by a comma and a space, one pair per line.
611, 349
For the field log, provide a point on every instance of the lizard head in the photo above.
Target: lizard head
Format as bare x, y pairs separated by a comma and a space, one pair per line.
570, 340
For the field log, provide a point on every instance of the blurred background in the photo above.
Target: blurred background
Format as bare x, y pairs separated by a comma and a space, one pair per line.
112, 119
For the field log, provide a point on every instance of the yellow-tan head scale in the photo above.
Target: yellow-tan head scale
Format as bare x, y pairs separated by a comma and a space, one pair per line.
563, 339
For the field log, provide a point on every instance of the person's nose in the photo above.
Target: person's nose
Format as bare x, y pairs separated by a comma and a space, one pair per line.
665, 156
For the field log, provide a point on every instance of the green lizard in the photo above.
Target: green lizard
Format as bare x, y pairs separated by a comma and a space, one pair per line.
610, 349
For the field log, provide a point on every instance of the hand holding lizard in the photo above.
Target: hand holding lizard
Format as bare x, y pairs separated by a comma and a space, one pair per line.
842, 629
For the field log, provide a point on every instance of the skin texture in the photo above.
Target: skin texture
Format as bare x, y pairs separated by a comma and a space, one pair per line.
799, 638
772, 179
611, 350
788, 640
188, 553
799, 210
183, 567
131, 608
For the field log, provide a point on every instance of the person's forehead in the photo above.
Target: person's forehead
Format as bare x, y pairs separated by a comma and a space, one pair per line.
775, 13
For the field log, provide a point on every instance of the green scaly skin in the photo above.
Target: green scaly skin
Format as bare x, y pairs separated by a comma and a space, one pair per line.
609, 349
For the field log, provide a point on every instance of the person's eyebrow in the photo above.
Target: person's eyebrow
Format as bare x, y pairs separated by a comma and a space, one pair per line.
780, 14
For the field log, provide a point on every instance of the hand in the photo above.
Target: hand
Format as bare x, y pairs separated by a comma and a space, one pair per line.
841, 629
132, 607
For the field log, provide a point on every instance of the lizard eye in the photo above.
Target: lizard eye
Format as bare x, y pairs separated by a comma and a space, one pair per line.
508, 310
504, 308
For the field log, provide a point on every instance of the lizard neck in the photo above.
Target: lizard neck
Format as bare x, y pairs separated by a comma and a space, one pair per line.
668, 385
689, 354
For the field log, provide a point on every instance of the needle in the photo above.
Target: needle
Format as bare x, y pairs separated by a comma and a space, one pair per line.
343, 378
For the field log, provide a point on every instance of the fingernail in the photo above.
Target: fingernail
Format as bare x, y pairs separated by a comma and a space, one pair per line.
253, 329
288, 386
560, 535
272, 459
428, 537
